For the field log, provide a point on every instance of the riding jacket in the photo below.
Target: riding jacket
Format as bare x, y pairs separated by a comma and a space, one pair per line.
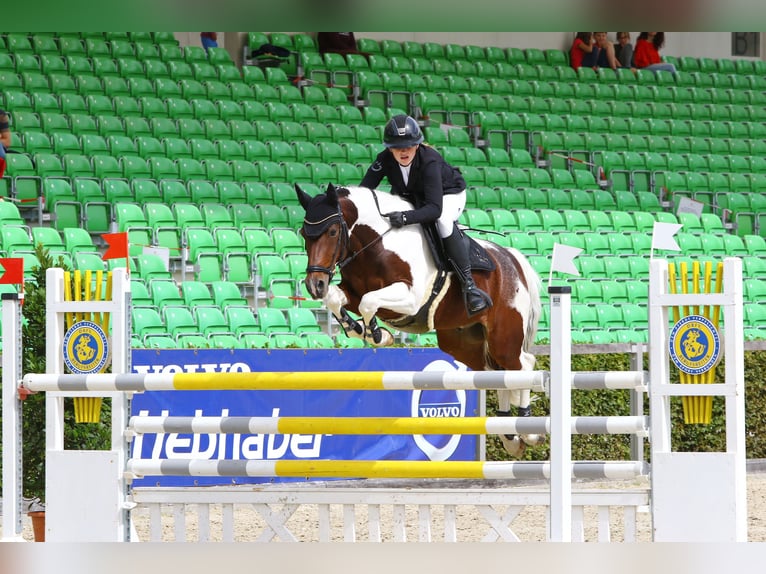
430, 178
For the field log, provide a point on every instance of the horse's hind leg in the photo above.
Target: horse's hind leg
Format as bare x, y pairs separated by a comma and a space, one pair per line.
517, 359
516, 445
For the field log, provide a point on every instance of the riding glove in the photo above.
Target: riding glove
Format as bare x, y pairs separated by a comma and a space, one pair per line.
397, 219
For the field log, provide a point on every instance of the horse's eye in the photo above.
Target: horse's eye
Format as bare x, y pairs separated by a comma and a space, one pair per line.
333, 231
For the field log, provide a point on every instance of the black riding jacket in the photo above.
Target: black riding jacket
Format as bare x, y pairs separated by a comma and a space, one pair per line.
430, 178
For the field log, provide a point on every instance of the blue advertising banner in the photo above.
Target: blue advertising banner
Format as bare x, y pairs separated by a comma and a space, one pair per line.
430, 403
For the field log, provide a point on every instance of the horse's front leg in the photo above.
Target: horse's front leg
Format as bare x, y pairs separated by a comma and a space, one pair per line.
397, 297
335, 301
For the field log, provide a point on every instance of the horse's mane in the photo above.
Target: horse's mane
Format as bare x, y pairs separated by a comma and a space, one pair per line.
363, 199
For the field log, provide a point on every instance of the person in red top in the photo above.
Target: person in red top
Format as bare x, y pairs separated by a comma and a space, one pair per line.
584, 51
647, 52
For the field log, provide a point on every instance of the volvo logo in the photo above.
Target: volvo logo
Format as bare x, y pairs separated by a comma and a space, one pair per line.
438, 403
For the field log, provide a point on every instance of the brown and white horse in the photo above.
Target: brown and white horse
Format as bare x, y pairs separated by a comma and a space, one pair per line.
391, 274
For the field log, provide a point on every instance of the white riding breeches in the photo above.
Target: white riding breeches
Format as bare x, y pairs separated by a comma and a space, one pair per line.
453, 205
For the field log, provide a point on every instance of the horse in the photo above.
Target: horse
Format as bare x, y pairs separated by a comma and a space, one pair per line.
392, 275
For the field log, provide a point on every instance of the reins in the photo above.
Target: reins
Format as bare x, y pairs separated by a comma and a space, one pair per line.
350, 258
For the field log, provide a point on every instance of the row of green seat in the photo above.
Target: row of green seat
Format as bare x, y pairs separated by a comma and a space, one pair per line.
186, 169
458, 108
513, 55
104, 75
39, 146
451, 53
46, 42
83, 115
174, 317
54, 55
537, 56
339, 69
239, 130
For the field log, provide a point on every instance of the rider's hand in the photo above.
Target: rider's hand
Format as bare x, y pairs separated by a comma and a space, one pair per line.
397, 219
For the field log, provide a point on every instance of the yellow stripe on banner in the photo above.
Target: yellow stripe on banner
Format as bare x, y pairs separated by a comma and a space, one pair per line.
382, 425
278, 381
378, 469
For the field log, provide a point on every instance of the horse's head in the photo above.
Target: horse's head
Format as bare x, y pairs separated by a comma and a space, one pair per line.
326, 234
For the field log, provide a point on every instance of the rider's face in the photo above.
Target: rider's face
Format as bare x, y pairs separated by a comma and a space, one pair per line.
404, 155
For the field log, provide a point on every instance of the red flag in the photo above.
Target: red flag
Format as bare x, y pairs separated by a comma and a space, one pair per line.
118, 245
14, 270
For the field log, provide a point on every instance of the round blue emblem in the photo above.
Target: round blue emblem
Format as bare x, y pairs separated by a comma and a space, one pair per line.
694, 344
85, 348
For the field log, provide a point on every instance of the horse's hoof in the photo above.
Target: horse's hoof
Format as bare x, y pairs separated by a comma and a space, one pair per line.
513, 445
533, 439
380, 338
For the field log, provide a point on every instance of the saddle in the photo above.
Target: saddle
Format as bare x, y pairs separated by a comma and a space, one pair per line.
422, 321
480, 260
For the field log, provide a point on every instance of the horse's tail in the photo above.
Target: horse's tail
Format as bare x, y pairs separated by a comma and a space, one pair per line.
534, 285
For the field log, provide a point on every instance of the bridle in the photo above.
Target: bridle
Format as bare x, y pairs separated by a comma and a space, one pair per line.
343, 245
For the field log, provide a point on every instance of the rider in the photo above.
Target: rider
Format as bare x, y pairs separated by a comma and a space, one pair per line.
419, 174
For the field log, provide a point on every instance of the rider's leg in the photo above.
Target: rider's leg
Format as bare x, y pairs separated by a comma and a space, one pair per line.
456, 246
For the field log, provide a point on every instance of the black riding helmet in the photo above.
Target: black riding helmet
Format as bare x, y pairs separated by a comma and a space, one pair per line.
402, 131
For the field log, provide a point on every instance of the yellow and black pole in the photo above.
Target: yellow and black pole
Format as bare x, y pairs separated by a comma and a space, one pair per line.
695, 343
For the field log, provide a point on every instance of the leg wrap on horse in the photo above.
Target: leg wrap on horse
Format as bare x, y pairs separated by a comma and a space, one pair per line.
349, 324
456, 246
375, 331
505, 414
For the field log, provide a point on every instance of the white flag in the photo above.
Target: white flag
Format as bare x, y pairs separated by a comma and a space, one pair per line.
563, 259
662, 236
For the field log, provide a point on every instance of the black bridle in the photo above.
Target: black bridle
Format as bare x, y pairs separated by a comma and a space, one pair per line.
343, 245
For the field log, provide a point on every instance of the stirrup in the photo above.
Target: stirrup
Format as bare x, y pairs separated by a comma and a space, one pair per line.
485, 298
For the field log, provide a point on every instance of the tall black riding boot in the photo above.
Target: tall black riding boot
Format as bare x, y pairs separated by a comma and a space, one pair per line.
456, 246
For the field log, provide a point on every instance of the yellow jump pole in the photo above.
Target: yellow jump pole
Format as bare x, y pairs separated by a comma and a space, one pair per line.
714, 317
672, 280
697, 410
87, 409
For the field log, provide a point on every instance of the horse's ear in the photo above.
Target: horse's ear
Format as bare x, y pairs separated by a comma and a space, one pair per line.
303, 197
332, 193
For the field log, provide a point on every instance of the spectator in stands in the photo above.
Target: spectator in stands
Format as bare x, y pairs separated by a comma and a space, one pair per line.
606, 57
419, 174
5, 139
647, 53
623, 51
584, 51
209, 40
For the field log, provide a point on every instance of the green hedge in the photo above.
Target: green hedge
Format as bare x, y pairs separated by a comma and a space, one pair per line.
691, 437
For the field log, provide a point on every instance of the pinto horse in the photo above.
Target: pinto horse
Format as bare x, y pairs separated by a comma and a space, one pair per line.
391, 274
